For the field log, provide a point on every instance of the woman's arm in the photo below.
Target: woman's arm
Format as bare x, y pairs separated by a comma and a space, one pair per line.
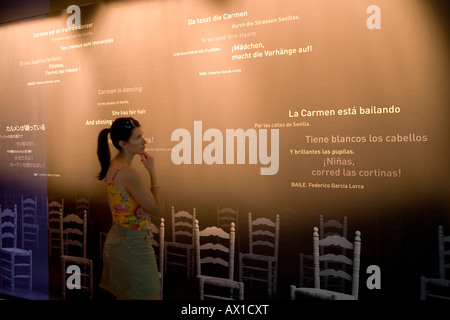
133, 182
149, 164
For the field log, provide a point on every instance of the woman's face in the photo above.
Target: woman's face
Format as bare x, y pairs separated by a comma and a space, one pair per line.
136, 143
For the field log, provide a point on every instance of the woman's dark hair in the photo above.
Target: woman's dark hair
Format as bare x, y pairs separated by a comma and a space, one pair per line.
121, 130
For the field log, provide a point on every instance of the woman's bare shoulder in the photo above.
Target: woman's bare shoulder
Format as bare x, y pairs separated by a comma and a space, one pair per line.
127, 173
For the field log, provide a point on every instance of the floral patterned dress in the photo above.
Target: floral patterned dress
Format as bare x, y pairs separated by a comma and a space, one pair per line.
123, 207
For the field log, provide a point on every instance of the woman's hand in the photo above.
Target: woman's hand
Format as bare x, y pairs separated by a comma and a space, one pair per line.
141, 213
148, 161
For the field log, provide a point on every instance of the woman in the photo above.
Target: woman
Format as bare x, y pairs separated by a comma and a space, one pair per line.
129, 264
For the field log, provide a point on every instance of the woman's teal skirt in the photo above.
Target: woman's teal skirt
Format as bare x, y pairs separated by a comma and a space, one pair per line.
129, 264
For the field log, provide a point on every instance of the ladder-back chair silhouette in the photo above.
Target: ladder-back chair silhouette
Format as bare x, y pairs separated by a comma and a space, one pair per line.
215, 263
75, 234
353, 261
30, 226
180, 250
55, 227
261, 262
326, 228
16, 263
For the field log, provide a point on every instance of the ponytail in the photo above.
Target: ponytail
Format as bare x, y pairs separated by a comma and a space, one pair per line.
104, 156
121, 130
